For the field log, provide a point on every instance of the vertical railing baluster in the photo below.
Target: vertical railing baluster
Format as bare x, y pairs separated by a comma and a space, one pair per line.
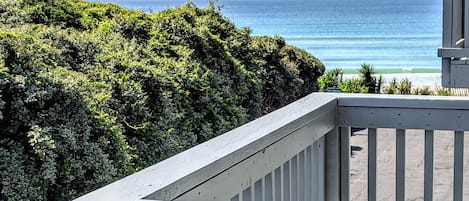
333, 165
315, 171
268, 193
400, 165
301, 176
247, 195
372, 156
345, 163
294, 178
258, 190
458, 165
286, 181
278, 184
309, 169
428, 169
321, 171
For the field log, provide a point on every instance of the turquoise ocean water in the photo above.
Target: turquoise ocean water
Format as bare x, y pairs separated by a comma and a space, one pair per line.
396, 36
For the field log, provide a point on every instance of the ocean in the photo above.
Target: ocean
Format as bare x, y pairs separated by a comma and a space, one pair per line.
395, 36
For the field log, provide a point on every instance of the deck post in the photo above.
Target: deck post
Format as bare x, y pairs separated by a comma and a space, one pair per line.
333, 165
345, 163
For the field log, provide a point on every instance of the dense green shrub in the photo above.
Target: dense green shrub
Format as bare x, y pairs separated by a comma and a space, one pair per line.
330, 79
425, 90
353, 86
368, 80
404, 86
92, 92
365, 83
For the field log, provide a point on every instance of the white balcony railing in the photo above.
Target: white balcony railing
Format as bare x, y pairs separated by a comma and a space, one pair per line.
300, 152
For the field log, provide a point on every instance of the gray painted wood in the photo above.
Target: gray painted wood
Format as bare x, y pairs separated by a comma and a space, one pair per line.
458, 75
405, 112
400, 165
315, 174
372, 158
282, 153
333, 166
278, 184
447, 23
286, 181
258, 191
321, 179
453, 52
294, 178
309, 175
455, 43
268, 185
247, 194
301, 176
458, 165
446, 43
237, 165
168, 179
466, 23
402, 101
345, 163
428, 167
457, 22
427, 119
445, 72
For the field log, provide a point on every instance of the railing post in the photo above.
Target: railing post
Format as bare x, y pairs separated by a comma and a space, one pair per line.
447, 38
318, 171
345, 163
333, 166
338, 164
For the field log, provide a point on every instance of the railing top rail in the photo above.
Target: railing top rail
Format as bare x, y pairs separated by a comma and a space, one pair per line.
403, 101
403, 112
216, 155
181, 173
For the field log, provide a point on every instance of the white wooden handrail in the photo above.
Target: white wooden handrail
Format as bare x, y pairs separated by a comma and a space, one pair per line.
178, 175
301, 153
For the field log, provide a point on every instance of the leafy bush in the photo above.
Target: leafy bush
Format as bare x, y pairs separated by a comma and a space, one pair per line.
405, 86
368, 80
392, 87
425, 90
440, 91
353, 86
331, 78
92, 92
365, 83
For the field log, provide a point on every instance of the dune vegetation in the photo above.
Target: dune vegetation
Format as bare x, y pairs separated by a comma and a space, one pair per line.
91, 92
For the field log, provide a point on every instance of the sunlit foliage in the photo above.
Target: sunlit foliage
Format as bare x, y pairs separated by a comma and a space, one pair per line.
92, 92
